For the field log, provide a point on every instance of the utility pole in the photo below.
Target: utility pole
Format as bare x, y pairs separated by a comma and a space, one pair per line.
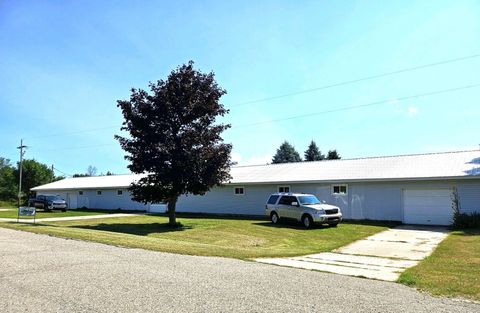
22, 152
53, 173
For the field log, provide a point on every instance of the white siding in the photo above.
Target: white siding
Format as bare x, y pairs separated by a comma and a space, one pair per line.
365, 200
469, 195
108, 200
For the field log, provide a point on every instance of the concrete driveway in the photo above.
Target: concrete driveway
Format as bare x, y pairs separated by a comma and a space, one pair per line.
46, 274
383, 256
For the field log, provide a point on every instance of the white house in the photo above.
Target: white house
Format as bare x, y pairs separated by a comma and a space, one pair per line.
414, 189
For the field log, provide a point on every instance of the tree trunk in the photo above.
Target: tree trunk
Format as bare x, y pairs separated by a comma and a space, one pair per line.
172, 219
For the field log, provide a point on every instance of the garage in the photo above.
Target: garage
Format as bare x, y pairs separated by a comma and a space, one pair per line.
427, 206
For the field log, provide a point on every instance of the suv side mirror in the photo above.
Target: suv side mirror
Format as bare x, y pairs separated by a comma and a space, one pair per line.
295, 203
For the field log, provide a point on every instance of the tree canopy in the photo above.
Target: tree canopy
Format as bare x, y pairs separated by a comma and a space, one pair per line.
8, 184
286, 153
333, 155
313, 153
175, 139
34, 174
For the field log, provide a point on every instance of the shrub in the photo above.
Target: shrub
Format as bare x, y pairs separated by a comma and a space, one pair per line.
463, 220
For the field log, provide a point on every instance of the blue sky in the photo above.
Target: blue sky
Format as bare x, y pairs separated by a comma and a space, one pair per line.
63, 65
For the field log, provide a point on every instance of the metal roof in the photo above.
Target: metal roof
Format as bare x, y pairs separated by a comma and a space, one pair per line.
457, 164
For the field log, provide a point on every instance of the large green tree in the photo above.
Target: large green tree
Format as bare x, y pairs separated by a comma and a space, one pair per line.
333, 155
34, 174
175, 139
313, 153
286, 153
8, 184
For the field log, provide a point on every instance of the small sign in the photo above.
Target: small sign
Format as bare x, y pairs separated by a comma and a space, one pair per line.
26, 211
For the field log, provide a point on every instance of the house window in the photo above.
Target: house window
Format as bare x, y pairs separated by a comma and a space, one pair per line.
99, 192
284, 189
119, 192
339, 189
239, 190
80, 192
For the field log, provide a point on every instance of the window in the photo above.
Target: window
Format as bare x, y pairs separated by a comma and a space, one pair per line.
272, 199
80, 192
119, 192
308, 200
339, 189
239, 190
283, 188
99, 192
287, 200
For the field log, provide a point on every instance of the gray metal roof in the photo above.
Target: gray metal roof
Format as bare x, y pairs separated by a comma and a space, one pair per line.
458, 165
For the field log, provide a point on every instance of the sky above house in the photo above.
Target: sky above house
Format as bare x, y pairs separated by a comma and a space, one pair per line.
64, 64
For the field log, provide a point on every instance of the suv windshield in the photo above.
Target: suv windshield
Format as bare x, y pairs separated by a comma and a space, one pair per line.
51, 198
308, 200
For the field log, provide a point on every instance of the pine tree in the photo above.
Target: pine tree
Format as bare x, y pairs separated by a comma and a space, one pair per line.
333, 155
286, 153
313, 153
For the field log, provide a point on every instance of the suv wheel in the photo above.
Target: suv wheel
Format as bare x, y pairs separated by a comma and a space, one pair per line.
274, 218
307, 221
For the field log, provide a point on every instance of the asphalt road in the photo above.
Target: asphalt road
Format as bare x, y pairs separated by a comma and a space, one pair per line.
46, 274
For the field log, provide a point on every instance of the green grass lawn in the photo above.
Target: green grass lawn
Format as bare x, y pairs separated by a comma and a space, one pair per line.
453, 269
237, 238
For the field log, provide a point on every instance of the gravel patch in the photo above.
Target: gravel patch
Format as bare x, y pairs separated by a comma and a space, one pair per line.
47, 274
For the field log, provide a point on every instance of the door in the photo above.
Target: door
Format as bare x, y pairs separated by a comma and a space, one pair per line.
72, 200
285, 206
427, 206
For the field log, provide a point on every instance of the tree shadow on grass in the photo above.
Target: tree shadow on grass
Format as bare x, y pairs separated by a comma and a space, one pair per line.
468, 232
135, 229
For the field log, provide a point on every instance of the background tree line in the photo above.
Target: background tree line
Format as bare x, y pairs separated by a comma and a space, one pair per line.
286, 153
34, 173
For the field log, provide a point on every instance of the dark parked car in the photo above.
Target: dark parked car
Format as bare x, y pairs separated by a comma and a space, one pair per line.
48, 202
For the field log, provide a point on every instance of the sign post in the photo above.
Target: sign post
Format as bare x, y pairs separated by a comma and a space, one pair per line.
26, 211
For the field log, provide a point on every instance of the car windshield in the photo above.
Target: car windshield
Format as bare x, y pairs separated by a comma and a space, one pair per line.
308, 200
51, 198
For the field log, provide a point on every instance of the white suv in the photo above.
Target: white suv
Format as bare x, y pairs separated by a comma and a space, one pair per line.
302, 207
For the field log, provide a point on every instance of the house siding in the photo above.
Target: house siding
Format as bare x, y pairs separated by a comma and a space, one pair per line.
364, 200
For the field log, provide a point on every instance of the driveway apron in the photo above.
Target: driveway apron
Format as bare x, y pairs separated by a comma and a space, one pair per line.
383, 256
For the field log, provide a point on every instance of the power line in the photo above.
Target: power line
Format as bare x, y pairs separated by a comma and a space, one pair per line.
348, 82
80, 147
76, 132
295, 93
346, 108
56, 169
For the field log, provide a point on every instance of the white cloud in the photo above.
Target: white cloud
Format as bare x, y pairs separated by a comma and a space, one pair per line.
236, 157
412, 110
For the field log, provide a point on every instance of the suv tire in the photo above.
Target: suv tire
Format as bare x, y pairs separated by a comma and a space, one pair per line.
307, 221
274, 218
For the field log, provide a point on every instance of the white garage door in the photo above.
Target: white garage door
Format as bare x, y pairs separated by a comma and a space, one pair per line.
427, 206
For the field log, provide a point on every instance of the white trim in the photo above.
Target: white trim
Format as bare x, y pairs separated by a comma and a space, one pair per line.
284, 186
339, 185
239, 187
